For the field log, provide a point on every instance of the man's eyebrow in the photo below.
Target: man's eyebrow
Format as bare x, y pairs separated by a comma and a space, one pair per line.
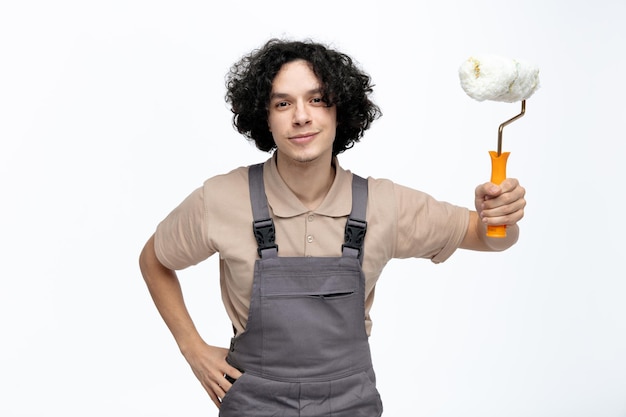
278, 95
285, 95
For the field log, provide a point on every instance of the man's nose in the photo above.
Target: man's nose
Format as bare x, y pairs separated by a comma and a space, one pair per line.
301, 114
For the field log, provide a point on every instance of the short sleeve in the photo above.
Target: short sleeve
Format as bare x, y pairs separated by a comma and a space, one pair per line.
181, 238
428, 228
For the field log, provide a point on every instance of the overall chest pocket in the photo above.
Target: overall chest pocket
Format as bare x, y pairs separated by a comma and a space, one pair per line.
310, 319
311, 304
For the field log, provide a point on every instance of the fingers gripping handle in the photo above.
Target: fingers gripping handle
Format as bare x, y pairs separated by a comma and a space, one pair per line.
498, 174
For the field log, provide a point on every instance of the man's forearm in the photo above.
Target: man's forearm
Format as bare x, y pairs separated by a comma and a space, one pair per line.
167, 295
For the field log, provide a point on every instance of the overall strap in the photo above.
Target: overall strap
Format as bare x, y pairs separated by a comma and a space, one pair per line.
265, 232
356, 226
263, 225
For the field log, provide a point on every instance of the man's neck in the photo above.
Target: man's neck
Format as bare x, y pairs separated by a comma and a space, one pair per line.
309, 181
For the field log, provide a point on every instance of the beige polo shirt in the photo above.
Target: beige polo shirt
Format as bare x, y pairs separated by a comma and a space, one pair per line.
217, 218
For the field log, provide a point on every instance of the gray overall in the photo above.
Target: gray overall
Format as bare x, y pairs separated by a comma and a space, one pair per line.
305, 351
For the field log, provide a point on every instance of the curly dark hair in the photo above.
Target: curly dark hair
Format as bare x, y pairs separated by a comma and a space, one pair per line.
249, 84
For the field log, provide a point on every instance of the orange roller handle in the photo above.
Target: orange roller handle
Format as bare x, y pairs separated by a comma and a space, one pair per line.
498, 174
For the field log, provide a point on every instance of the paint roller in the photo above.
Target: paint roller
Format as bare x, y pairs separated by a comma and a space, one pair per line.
496, 78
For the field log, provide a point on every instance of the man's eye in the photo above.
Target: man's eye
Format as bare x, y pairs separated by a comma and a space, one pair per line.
318, 100
282, 104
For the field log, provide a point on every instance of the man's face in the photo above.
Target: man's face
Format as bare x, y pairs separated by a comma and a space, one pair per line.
303, 126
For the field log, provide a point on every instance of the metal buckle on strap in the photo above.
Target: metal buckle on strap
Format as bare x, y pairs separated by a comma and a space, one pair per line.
355, 234
265, 235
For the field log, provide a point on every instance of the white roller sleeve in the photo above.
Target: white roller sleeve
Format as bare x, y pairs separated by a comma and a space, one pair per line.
496, 78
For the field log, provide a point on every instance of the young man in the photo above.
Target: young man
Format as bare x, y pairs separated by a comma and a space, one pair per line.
302, 241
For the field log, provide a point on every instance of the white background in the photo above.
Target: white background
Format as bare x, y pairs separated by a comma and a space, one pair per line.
112, 112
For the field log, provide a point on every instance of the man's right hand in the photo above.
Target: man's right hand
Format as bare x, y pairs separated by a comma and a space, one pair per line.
210, 367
